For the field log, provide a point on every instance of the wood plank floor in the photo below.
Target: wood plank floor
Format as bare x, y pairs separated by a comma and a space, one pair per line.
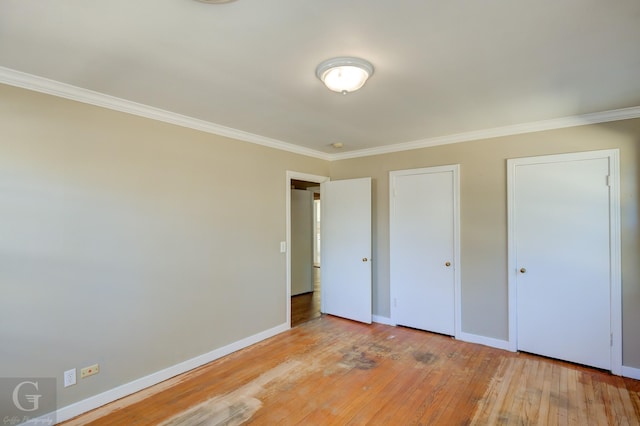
331, 371
305, 307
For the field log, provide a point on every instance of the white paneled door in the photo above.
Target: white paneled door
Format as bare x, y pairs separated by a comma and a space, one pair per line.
423, 248
346, 248
561, 237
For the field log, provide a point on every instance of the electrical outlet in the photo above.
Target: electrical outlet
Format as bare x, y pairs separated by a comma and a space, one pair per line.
69, 378
89, 371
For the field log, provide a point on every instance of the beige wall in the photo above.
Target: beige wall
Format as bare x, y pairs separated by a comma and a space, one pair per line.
138, 244
130, 242
484, 217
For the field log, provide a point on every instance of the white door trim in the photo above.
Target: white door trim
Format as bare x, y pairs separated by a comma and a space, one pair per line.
291, 175
455, 169
615, 249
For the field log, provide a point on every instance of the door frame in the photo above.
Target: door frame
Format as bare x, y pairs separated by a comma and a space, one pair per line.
291, 175
615, 280
455, 169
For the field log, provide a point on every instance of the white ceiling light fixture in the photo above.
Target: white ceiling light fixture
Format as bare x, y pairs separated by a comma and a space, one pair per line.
344, 74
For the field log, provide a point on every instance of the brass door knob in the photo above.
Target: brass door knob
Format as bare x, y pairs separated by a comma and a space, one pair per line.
523, 270
364, 259
447, 264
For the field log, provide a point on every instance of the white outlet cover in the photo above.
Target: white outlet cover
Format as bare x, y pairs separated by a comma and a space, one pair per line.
69, 377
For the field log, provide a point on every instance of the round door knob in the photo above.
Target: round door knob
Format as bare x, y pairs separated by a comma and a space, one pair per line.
447, 264
523, 270
364, 259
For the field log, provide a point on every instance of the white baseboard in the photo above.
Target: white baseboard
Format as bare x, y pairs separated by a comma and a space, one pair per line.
99, 400
631, 372
465, 337
483, 340
382, 320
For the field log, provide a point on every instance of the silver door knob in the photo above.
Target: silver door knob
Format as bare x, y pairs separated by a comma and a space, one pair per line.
523, 270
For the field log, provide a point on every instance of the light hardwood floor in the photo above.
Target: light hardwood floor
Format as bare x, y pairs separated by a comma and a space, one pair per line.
330, 371
305, 307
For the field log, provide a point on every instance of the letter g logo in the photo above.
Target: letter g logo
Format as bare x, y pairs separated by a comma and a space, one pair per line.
33, 399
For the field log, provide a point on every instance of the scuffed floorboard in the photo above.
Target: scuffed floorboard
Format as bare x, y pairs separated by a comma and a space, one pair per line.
331, 371
233, 408
539, 392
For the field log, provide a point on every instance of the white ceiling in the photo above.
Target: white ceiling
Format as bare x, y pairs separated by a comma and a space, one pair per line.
441, 67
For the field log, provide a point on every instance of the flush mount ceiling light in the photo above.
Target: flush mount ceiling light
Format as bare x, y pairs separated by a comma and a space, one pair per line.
344, 74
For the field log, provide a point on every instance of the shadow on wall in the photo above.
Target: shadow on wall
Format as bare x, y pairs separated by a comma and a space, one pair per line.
630, 237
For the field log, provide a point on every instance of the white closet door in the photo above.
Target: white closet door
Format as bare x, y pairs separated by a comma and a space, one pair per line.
423, 248
561, 225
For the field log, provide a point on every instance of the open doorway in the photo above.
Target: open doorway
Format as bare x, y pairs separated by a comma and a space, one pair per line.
305, 251
304, 218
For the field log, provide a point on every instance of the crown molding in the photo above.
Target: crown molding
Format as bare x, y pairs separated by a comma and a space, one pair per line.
516, 129
67, 91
